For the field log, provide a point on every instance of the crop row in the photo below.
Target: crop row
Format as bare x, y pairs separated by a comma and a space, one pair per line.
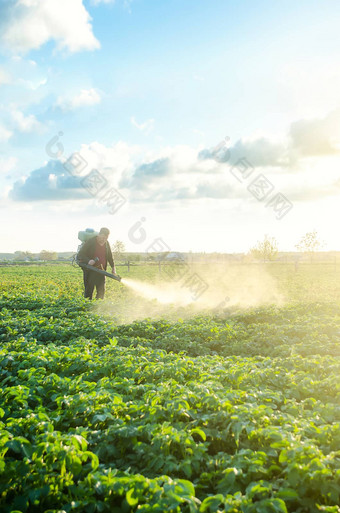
123, 423
311, 329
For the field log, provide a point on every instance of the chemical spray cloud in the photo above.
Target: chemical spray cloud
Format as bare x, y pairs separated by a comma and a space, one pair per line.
260, 187
179, 269
97, 186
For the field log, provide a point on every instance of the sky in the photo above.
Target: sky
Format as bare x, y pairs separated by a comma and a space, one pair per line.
180, 125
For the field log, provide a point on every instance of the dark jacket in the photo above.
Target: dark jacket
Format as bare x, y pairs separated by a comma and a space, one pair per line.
87, 251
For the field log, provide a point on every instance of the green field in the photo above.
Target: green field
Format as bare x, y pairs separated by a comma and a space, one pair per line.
127, 405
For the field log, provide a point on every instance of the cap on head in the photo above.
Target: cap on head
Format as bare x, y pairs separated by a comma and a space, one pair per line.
104, 231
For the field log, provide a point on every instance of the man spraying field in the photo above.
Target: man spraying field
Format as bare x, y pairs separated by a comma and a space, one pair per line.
96, 252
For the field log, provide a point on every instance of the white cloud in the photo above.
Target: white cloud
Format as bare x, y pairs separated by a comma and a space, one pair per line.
145, 127
175, 174
4, 77
51, 182
7, 164
28, 24
22, 72
24, 123
97, 2
113, 162
86, 97
183, 175
305, 138
55, 181
126, 3
30, 84
319, 136
5, 134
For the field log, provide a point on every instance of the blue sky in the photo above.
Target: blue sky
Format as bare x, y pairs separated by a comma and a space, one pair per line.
149, 93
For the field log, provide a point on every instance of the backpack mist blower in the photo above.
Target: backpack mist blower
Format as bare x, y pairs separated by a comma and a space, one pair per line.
84, 236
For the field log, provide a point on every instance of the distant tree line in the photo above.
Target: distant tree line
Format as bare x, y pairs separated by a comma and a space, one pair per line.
267, 249
27, 256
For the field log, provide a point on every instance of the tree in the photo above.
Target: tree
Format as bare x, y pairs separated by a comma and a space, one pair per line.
48, 255
265, 250
310, 243
23, 256
118, 248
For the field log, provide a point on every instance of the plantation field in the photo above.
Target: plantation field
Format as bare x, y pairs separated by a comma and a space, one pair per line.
128, 405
